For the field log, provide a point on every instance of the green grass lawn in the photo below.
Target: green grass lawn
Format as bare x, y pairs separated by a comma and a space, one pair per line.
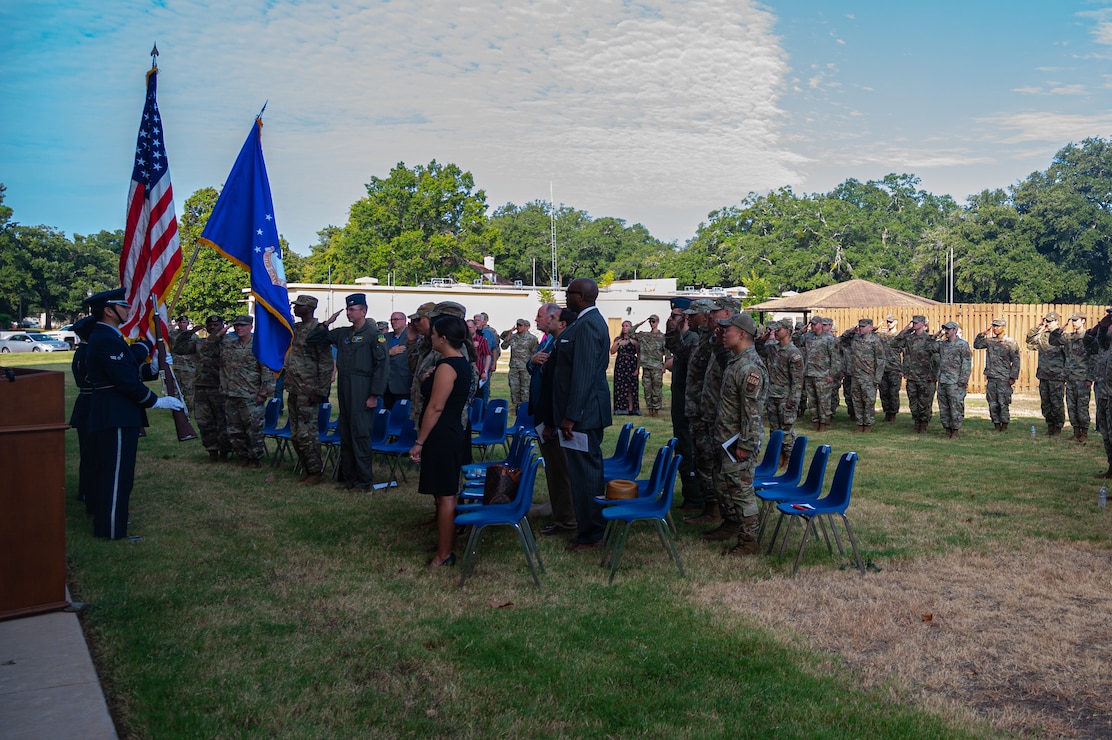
254, 606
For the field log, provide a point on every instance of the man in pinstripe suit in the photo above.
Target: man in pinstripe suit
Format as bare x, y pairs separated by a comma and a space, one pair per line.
581, 403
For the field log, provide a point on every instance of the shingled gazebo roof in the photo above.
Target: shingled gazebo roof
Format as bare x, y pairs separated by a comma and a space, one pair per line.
850, 294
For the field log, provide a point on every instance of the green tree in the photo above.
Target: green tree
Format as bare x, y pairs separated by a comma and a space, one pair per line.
213, 284
40, 261
414, 225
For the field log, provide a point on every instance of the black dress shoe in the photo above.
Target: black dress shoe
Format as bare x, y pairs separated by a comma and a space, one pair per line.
556, 529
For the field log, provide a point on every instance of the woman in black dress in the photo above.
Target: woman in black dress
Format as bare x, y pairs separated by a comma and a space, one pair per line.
441, 430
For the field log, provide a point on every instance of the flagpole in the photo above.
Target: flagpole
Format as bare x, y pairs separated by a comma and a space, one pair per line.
181, 418
183, 278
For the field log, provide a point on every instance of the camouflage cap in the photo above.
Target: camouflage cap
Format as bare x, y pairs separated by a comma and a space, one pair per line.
521, 322
304, 300
999, 322
242, 319
950, 325
918, 319
727, 301
787, 324
1077, 315
447, 308
827, 321
742, 321
1051, 316
890, 317
816, 319
865, 322
700, 305
422, 311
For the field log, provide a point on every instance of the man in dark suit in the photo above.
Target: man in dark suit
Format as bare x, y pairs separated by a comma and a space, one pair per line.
115, 413
552, 320
581, 403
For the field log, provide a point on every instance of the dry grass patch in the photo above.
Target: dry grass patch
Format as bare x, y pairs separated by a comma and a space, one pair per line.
1020, 638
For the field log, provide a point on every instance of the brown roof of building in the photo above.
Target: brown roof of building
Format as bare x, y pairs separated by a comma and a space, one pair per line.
850, 294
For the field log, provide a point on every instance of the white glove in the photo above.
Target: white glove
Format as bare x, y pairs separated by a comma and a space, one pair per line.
154, 363
169, 402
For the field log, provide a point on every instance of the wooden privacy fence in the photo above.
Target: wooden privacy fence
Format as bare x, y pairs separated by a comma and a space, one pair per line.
973, 318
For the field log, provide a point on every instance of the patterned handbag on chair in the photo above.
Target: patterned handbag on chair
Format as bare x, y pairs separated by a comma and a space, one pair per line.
500, 486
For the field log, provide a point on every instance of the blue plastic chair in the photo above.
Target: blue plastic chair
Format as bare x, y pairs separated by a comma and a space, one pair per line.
519, 457
324, 415
398, 418
524, 419
834, 503
791, 474
394, 452
330, 441
475, 413
494, 429
622, 445
654, 510
648, 487
630, 467
769, 464
494, 403
514, 514
811, 489
477, 470
281, 436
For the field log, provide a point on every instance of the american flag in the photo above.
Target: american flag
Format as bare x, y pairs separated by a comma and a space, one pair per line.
151, 258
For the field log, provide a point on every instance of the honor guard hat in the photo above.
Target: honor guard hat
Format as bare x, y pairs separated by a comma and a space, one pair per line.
918, 319
1077, 315
447, 308
183, 317
422, 311
356, 299
700, 305
999, 322
304, 300
890, 317
214, 318
1051, 316
242, 319
865, 322
84, 327
950, 325
108, 297
742, 321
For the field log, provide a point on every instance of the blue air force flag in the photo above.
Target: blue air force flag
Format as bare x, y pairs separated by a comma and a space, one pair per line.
242, 228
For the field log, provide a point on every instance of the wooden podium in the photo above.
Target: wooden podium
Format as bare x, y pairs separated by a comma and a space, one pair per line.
32, 492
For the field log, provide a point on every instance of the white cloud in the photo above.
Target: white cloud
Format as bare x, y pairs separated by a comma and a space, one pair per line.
1046, 126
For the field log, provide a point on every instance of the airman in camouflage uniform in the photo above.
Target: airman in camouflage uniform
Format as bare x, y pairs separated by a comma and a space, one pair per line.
209, 401
892, 379
743, 398
920, 369
308, 372
821, 367
1079, 375
801, 338
1051, 373
784, 363
185, 365
955, 366
865, 365
246, 384
652, 355
698, 312
708, 458
1099, 343
1001, 371
681, 338
522, 346
425, 357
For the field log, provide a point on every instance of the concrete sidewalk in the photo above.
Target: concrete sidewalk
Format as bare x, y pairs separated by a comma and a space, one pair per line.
48, 685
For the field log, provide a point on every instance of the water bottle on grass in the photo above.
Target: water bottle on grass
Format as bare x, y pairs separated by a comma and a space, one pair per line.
1102, 497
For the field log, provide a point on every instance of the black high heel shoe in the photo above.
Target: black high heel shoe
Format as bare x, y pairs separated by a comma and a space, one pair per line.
449, 561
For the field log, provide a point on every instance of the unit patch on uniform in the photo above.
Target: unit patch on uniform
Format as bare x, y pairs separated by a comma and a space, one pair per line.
752, 382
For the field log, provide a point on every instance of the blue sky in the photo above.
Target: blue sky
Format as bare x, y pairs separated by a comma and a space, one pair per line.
656, 112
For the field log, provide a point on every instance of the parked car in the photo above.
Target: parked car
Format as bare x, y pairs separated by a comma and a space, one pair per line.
32, 342
65, 334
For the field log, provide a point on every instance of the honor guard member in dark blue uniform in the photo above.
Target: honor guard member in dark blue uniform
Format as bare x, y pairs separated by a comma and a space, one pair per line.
79, 418
362, 372
115, 413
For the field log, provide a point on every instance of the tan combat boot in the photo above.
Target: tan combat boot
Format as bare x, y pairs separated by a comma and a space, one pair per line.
746, 538
727, 530
710, 515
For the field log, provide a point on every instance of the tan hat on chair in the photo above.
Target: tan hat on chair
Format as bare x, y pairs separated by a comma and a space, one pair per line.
621, 489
